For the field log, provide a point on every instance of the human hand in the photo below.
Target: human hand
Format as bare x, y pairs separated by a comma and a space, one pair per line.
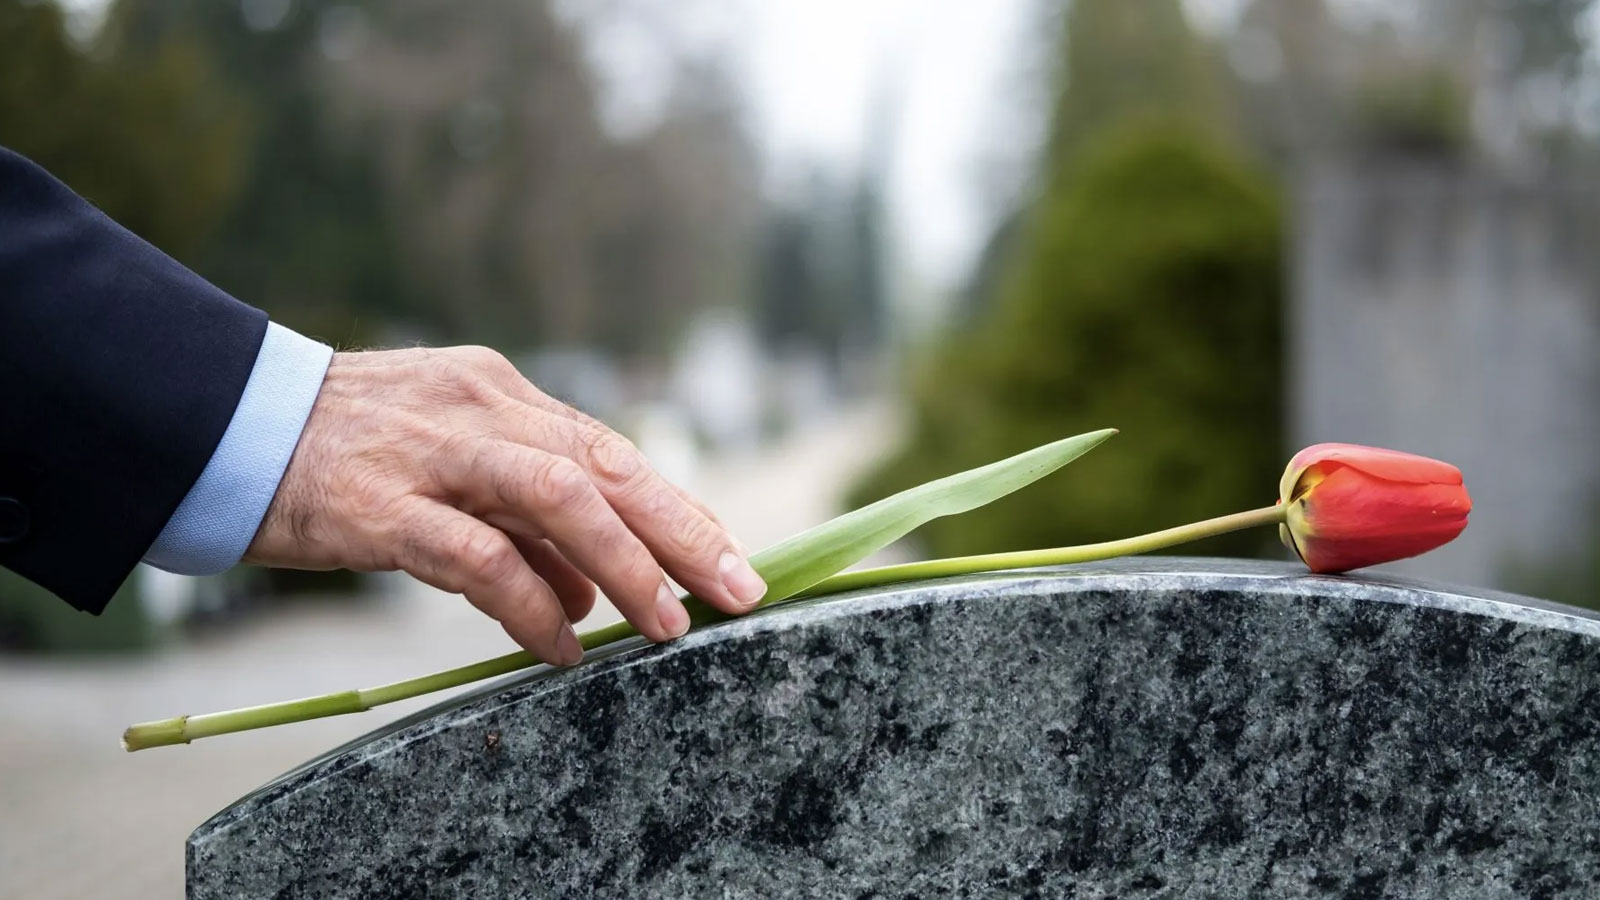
447, 464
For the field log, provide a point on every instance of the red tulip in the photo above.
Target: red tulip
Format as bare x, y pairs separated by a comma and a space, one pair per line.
1350, 506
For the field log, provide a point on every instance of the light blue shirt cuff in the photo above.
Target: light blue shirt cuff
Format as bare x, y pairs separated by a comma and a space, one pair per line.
218, 518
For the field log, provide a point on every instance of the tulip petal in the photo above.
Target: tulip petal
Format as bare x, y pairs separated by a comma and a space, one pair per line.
1352, 519
1349, 503
1390, 465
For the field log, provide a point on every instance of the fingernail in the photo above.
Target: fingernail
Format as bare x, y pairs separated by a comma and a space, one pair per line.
741, 580
568, 650
669, 610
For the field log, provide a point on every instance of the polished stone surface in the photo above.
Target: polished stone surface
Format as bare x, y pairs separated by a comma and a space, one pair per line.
1151, 728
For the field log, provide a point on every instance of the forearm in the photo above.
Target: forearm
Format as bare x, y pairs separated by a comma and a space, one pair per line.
120, 371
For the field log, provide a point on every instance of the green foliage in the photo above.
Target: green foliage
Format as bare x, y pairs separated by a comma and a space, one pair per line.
1143, 288
34, 620
378, 172
1419, 112
304, 236
1127, 58
151, 139
1146, 292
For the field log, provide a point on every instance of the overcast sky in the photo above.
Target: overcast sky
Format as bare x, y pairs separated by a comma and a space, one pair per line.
954, 78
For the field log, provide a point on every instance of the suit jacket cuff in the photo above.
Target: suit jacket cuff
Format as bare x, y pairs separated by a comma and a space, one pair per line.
218, 518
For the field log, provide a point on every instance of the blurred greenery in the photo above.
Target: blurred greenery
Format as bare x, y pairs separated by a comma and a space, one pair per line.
304, 238
1143, 292
1414, 112
152, 141
389, 172
1131, 58
821, 270
1146, 297
31, 620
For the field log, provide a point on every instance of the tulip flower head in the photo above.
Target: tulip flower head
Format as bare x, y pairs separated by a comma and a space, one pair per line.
1349, 506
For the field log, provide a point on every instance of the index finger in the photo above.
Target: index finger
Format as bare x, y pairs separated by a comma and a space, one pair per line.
556, 496
691, 545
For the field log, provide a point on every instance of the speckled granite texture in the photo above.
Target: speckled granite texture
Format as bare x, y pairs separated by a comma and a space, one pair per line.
1179, 728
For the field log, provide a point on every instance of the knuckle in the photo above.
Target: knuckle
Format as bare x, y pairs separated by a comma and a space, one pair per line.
693, 539
487, 360
485, 556
448, 368
440, 450
680, 531
457, 380
441, 443
560, 481
612, 457
637, 572
474, 352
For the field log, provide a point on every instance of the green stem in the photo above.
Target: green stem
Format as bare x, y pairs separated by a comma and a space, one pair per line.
1055, 556
183, 729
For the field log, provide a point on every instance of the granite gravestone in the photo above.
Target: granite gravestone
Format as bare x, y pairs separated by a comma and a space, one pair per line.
1152, 728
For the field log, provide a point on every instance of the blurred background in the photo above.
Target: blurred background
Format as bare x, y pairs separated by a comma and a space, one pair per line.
809, 252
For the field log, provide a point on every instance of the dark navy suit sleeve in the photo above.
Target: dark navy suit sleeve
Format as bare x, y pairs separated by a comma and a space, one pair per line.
119, 372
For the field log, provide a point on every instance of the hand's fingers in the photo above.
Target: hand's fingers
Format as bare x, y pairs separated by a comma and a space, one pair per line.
509, 380
522, 390
691, 545
574, 588
738, 545
553, 492
519, 388
457, 553
687, 542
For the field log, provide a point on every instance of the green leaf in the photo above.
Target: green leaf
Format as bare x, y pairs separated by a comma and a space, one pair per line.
812, 555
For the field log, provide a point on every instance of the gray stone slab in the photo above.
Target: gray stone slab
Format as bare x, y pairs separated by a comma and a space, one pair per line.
1151, 728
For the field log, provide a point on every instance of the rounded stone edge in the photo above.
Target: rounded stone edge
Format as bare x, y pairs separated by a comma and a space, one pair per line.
1154, 574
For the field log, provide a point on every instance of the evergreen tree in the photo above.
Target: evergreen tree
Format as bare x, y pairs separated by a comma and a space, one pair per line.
1126, 58
1143, 290
152, 140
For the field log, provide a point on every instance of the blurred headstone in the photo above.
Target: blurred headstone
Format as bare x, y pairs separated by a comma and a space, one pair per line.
716, 380
584, 378
663, 434
1445, 309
